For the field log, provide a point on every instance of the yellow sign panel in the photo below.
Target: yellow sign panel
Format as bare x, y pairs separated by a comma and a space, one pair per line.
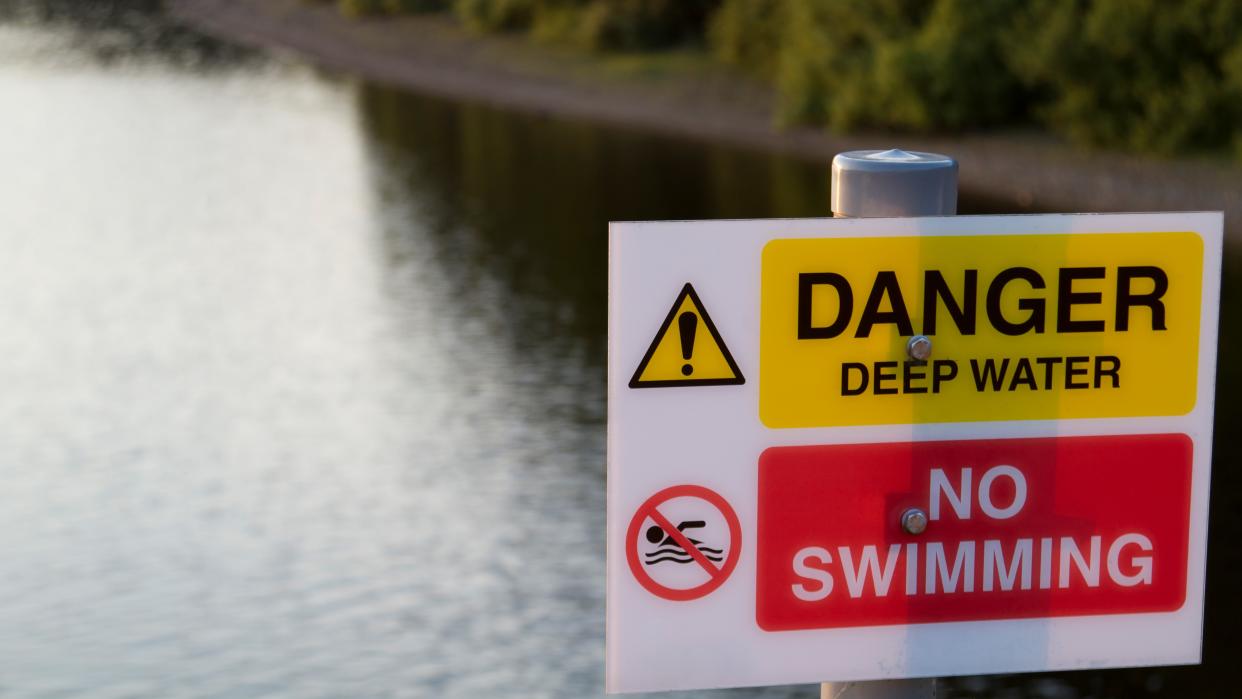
1026, 327
687, 350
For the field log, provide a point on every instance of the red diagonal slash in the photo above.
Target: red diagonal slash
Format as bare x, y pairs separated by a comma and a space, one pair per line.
683, 541
715, 576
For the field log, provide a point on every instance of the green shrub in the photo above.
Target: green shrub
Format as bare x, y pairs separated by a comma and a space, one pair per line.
898, 64
826, 65
362, 8
1142, 75
1231, 64
748, 34
644, 24
496, 15
404, 6
595, 24
1135, 74
358, 8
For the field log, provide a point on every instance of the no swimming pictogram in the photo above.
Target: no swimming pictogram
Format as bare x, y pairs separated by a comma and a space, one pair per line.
683, 542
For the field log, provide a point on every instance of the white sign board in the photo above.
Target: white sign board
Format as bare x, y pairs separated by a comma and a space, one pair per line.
768, 431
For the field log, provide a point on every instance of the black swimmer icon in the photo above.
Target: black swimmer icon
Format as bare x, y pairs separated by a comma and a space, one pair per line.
670, 550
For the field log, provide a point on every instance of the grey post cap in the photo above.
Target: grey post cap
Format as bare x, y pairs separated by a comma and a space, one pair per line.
873, 183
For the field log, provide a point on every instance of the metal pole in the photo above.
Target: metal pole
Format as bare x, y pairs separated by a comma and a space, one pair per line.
873, 184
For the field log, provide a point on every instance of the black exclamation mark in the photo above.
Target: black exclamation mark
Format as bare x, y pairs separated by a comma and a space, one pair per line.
687, 325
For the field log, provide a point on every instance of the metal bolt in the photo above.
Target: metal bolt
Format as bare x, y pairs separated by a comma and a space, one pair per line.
914, 521
919, 348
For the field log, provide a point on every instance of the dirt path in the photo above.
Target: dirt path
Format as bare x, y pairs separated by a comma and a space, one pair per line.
430, 54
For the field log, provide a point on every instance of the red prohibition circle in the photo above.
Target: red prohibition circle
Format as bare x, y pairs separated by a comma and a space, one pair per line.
717, 576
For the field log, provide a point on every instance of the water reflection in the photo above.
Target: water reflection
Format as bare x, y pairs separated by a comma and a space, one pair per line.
537, 191
110, 32
509, 213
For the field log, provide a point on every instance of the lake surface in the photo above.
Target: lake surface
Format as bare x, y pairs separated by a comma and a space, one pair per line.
302, 379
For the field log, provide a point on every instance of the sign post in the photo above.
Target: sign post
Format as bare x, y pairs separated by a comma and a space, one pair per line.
873, 184
858, 449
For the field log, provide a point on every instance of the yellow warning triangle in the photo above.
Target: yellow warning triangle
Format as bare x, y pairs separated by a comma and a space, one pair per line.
687, 350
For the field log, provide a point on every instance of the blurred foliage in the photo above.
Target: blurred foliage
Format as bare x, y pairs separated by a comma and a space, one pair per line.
360, 8
1139, 75
1136, 74
594, 24
749, 34
903, 64
500, 15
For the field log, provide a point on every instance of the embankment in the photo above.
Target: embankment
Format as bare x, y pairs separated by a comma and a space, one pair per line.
430, 54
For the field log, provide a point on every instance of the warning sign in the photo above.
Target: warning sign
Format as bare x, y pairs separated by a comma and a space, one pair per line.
683, 542
1058, 326
1016, 528
687, 350
1031, 495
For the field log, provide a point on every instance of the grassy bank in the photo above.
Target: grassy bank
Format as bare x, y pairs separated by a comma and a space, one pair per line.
1138, 76
687, 94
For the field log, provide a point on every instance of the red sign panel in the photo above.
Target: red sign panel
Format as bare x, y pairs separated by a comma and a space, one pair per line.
1017, 528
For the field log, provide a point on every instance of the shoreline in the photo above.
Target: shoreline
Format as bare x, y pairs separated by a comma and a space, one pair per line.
430, 54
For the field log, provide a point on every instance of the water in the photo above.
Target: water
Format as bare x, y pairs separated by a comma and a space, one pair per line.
303, 380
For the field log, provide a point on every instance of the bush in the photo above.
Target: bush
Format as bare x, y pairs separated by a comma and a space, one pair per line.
358, 8
361, 8
594, 24
1135, 74
903, 64
1141, 75
400, 6
644, 24
496, 15
748, 34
